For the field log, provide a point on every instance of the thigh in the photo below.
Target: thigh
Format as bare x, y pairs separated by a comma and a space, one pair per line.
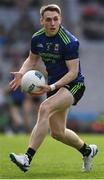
58, 121
60, 101
76, 89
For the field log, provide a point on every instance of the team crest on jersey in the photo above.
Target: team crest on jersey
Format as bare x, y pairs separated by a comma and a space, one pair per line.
56, 48
48, 45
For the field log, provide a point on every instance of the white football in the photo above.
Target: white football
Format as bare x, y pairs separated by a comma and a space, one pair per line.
31, 81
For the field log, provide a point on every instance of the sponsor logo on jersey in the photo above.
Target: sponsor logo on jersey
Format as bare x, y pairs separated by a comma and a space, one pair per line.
56, 48
40, 45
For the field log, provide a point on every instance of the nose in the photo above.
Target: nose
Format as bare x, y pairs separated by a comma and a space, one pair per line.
52, 22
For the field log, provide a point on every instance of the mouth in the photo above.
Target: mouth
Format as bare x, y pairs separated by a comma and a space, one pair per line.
52, 29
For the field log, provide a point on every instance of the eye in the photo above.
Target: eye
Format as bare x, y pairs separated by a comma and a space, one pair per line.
48, 19
55, 19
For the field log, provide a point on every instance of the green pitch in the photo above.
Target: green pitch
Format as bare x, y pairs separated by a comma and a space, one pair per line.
53, 160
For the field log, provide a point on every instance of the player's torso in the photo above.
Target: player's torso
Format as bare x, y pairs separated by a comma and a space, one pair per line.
51, 49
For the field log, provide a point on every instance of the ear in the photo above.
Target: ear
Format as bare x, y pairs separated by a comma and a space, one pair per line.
60, 19
41, 21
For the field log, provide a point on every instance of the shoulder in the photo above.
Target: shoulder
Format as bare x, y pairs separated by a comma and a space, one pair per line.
37, 41
67, 37
38, 34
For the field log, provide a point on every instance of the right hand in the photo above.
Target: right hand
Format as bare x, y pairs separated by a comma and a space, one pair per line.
43, 89
15, 83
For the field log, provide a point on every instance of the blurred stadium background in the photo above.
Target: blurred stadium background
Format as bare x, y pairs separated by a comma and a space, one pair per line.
18, 21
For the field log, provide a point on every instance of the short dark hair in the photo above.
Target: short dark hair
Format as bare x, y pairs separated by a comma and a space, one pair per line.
50, 7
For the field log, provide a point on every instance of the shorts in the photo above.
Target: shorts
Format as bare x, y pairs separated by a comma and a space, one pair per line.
76, 89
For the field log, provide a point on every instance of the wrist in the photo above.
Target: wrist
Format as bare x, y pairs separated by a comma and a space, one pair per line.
52, 87
21, 74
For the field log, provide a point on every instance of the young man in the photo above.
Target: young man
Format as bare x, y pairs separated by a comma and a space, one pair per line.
58, 48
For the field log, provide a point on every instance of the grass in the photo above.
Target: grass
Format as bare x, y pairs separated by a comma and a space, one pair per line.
54, 160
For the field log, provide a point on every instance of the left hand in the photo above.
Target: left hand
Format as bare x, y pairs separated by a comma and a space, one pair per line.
43, 89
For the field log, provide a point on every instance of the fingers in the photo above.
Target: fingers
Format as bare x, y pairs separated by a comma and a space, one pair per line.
33, 94
38, 93
17, 74
13, 85
14, 73
45, 87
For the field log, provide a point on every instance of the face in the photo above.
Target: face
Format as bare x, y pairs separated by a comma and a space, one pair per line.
51, 21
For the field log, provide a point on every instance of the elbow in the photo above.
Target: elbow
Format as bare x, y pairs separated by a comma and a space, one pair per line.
74, 75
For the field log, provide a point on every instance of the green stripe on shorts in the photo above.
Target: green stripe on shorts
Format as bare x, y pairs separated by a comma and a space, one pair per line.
75, 88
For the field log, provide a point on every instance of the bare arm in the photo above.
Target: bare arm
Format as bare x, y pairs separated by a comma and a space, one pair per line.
28, 64
73, 66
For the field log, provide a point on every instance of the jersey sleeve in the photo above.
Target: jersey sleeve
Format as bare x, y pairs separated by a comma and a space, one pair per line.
34, 48
71, 51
